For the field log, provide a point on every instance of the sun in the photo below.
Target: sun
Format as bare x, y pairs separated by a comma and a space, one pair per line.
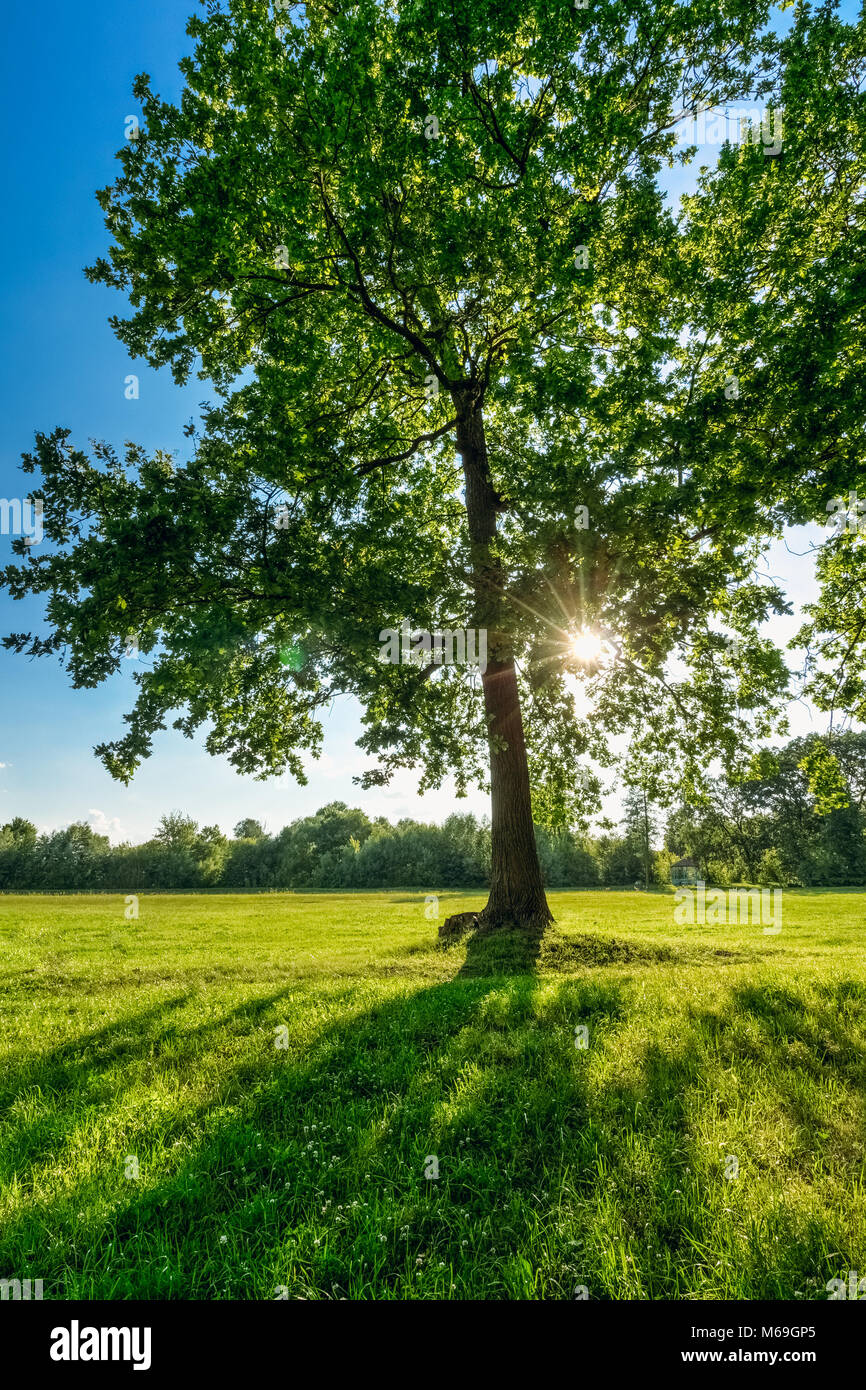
587, 646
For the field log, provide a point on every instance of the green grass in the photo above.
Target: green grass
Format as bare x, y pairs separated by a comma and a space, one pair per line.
262, 1166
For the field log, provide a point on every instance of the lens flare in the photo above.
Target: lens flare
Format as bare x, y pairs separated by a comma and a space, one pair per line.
587, 647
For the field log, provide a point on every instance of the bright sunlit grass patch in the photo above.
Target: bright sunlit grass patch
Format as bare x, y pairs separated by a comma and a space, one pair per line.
283, 1067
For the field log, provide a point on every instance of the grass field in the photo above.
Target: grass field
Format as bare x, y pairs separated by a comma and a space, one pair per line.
283, 1068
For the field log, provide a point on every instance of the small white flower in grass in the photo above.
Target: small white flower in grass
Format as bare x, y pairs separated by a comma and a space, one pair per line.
383, 1237
223, 1240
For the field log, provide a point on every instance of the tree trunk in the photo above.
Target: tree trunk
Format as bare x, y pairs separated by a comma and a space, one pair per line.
517, 895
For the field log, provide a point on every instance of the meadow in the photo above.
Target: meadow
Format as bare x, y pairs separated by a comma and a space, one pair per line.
249, 1097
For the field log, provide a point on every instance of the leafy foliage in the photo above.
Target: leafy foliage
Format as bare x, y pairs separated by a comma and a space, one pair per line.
801, 816
367, 229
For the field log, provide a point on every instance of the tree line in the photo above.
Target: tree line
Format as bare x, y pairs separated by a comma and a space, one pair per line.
771, 828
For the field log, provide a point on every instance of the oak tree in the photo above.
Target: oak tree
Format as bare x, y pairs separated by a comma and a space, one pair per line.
471, 369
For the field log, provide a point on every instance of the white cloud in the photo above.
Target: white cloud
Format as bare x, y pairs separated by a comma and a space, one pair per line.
331, 769
101, 825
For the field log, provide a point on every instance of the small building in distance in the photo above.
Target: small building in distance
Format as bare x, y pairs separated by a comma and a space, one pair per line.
684, 871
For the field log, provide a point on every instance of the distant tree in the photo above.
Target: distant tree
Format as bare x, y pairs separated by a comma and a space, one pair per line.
771, 871
567, 860
210, 852
639, 826
801, 806
17, 847
19, 832
333, 826
75, 857
728, 825
177, 831
249, 829
252, 863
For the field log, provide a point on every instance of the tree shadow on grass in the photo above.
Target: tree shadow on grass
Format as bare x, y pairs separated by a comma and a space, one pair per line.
383, 1090
311, 1168
500, 953
812, 1048
64, 1073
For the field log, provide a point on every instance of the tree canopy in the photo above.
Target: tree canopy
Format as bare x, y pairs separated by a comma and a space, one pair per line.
428, 264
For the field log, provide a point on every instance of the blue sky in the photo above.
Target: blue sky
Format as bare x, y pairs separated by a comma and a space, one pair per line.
67, 73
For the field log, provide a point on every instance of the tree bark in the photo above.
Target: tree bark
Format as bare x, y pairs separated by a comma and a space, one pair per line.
517, 896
